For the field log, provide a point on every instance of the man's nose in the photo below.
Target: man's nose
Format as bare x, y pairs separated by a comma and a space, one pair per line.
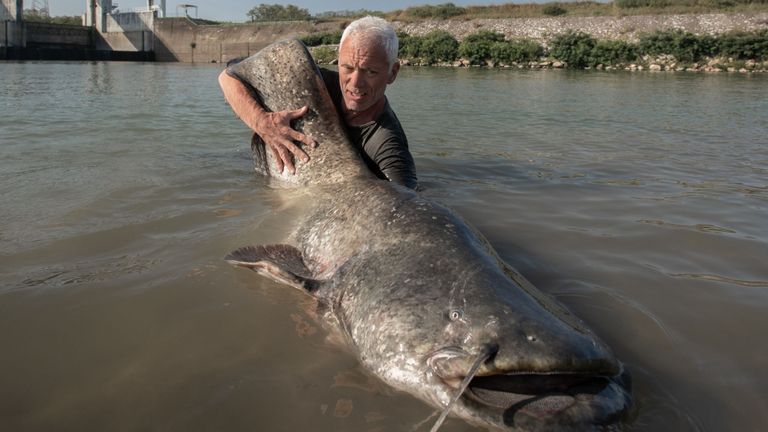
356, 77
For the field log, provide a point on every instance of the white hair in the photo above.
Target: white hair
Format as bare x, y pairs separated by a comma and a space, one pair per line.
376, 29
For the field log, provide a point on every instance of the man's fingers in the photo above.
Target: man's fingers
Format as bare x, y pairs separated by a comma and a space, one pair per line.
294, 114
287, 159
278, 158
296, 150
306, 139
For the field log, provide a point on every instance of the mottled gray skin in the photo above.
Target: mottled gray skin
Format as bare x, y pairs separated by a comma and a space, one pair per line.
419, 293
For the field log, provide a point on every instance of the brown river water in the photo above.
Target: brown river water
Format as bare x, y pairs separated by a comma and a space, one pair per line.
640, 201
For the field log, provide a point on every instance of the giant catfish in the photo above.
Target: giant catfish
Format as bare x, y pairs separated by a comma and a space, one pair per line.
420, 296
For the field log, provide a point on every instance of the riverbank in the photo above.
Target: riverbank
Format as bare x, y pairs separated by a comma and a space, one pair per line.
182, 40
664, 63
696, 43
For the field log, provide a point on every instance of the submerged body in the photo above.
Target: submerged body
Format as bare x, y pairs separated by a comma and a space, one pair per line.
419, 294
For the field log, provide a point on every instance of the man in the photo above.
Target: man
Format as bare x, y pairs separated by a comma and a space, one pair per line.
367, 64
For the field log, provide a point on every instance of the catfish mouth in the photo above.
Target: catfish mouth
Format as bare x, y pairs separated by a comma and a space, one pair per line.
507, 391
597, 393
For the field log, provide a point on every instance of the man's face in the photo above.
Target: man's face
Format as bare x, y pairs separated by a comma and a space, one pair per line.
363, 73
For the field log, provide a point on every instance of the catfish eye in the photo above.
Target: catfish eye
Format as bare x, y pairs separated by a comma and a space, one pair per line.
455, 314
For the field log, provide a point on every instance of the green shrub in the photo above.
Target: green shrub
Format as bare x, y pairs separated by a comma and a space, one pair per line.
744, 46
517, 51
437, 46
324, 54
324, 38
574, 48
629, 4
477, 47
484, 36
684, 46
553, 9
610, 52
441, 11
409, 46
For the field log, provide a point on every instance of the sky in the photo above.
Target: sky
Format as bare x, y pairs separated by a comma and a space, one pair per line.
235, 10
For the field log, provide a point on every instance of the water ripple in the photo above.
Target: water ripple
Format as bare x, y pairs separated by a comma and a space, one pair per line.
723, 279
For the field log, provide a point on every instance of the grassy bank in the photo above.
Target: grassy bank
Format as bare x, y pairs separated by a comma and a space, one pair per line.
660, 50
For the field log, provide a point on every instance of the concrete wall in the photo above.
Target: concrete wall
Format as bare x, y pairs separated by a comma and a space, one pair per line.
39, 41
125, 41
12, 34
180, 39
10, 10
11, 26
130, 22
57, 35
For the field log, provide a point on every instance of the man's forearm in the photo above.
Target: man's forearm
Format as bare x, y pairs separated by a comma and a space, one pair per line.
241, 100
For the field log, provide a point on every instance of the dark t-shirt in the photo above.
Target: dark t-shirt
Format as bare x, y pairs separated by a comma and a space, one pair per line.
382, 142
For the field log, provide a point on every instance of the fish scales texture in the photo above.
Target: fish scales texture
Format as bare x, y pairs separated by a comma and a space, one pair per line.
419, 293
296, 84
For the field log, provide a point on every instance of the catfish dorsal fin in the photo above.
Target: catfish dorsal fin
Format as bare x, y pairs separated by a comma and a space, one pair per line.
280, 262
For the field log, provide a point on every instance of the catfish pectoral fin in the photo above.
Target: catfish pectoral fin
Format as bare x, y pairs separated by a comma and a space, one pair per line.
280, 262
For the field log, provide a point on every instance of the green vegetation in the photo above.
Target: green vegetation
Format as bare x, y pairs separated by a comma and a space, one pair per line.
345, 14
612, 52
671, 48
553, 9
439, 46
277, 12
477, 47
744, 46
684, 46
31, 15
324, 54
516, 51
574, 48
434, 47
580, 50
441, 11
324, 38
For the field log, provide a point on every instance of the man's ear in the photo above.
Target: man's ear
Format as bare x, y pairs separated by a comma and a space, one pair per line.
393, 72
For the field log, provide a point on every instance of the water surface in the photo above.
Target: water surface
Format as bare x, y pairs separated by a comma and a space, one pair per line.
638, 200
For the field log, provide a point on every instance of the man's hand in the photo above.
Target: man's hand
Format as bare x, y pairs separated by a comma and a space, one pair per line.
275, 129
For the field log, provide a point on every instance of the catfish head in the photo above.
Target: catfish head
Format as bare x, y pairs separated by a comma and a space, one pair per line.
541, 368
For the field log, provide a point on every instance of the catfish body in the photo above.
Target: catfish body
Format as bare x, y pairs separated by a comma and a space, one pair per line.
418, 292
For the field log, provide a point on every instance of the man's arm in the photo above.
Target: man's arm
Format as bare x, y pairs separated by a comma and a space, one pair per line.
396, 163
273, 127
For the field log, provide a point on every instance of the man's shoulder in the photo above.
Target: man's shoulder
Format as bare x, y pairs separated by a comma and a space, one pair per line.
329, 73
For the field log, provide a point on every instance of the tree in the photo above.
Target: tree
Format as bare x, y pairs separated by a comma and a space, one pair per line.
276, 12
32, 15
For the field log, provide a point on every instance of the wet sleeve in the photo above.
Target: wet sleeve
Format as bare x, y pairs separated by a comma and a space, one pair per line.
396, 163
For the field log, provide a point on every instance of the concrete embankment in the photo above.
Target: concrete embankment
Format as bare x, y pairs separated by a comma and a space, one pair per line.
41, 41
180, 39
624, 28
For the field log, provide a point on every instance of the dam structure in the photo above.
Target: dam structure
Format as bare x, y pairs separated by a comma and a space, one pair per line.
106, 33
139, 34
